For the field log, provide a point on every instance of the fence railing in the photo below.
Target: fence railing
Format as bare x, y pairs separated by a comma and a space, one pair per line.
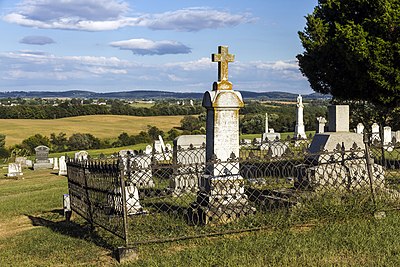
158, 197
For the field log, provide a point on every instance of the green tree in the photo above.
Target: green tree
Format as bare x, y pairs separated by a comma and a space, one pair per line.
58, 142
79, 141
33, 141
154, 132
4, 152
352, 51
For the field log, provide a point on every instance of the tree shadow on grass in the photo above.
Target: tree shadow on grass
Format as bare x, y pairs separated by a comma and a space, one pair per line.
73, 229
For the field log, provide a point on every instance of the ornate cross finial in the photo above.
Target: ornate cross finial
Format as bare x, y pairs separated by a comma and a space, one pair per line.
223, 58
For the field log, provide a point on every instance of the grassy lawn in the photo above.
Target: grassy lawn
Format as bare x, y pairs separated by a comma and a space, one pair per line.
101, 126
283, 135
33, 233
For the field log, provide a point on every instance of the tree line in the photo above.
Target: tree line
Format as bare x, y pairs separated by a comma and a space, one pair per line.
117, 107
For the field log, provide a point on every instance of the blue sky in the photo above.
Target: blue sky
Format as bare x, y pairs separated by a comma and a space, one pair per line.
110, 45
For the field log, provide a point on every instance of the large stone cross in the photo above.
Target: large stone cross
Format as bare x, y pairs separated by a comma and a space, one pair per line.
223, 58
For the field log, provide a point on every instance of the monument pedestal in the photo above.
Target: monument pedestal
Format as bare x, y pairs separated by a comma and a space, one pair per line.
222, 199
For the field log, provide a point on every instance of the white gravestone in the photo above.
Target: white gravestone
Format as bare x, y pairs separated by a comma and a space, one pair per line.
387, 135
299, 131
14, 170
62, 170
360, 128
81, 155
375, 132
55, 164
189, 154
321, 124
221, 197
397, 136
148, 150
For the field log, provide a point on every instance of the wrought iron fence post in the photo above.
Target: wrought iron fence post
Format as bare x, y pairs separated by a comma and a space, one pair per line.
369, 168
123, 196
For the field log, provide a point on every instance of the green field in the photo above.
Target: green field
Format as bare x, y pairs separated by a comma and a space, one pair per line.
101, 126
33, 233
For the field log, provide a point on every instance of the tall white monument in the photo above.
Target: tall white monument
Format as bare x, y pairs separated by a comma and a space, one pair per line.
299, 131
222, 197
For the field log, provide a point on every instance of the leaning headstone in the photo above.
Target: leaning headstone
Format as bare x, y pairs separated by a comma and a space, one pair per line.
190, 155
360, 128
222, 197
14, 170
81, 155
299, 131
42, 158
62, 170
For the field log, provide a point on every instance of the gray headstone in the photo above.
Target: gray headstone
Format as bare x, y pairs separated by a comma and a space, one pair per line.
42, 158
338, 118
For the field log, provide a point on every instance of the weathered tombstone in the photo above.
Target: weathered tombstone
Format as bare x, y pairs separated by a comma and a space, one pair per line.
62, 166
148, 150
321, 125
397, 136
81, 155
29, 163
42, 158
375, 132
22, 161
360, 128
14, 170
299, 131
189, 154
338, 118
67, 207
387, 135
222, 196
55, 164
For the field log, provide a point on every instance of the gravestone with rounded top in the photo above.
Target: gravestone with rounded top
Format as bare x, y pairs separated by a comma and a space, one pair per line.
42, 158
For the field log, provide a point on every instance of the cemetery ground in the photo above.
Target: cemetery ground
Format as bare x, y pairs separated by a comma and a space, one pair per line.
33, 233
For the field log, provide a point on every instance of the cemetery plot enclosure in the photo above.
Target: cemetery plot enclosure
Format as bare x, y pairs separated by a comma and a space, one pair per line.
170, 196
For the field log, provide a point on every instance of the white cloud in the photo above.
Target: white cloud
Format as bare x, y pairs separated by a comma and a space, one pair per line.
101, 15
24, 69
149, 47
36, 40
193, 19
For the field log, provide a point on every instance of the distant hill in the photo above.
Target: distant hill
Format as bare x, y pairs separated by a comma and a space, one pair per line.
149, 94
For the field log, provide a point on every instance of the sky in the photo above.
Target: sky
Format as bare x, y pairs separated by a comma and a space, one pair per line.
114, 45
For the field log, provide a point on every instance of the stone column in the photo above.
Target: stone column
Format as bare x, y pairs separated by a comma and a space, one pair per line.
266, 123
299, 131
339, 118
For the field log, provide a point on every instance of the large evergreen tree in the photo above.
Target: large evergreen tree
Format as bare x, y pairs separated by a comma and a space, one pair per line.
352, 51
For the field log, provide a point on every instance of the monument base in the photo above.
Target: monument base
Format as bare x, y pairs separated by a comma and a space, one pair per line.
271, 136
222, 200
42, 165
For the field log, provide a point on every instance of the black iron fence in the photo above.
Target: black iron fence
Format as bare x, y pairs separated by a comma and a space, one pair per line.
178, 195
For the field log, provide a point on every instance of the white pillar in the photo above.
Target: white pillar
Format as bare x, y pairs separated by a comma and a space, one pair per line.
299, 131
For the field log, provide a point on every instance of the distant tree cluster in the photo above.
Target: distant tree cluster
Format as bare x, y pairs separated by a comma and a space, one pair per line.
75, 108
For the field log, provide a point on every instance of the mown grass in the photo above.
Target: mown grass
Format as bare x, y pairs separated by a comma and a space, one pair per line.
327, 233
101, 126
